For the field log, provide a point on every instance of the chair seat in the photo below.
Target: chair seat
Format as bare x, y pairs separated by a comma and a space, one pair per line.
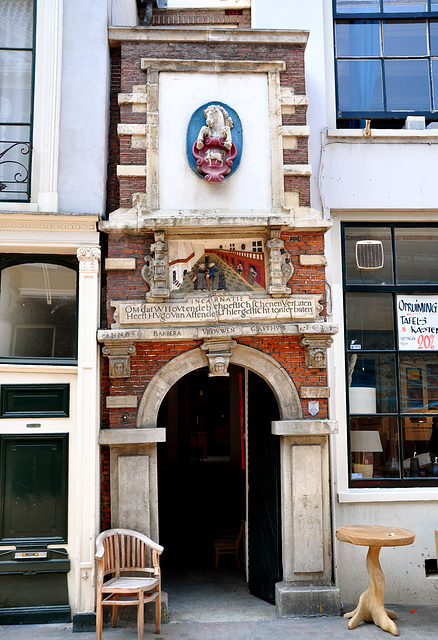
129, 583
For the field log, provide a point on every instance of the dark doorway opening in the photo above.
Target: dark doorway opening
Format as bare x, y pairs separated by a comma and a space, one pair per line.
203, 481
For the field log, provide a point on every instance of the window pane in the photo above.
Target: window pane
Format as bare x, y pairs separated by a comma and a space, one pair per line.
16, 23
420, 441
354, 275
369, 320
372, 383
404, 38
357, 6
419, 382
434, 6
435, 83
38, 311
404, 6
433, 38
374, 447
407, 85
15, 157
360, 85
416, 255
15, 82
359, 38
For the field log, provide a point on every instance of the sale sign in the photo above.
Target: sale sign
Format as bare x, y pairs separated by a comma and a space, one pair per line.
417, 321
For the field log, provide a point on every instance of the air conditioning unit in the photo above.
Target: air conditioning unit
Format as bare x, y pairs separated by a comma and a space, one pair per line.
369, 254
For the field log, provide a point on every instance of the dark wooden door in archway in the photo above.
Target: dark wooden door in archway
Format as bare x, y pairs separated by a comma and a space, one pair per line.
264, 515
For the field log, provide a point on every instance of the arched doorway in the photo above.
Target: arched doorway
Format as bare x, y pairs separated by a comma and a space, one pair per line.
220, 464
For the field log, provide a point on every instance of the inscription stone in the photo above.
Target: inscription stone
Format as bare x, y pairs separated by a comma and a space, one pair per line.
224, 308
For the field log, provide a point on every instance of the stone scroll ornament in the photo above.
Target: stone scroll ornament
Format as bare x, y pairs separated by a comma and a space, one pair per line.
214, 141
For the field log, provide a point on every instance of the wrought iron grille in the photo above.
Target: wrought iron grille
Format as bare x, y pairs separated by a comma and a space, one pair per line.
15, 160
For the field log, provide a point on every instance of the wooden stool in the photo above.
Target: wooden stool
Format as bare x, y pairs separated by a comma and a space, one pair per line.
371, 607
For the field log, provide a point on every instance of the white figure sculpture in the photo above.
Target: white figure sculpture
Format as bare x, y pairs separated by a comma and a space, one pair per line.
219, 125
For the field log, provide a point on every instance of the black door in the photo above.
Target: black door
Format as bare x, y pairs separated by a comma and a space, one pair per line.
264, 541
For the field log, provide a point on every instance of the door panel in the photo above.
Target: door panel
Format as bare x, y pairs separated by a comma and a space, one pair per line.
264, 530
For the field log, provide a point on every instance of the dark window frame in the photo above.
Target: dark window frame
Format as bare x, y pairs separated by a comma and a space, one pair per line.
346, 116
394, 290
25, 146
70, 262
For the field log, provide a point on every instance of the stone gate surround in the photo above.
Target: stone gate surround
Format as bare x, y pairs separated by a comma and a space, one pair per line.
306, 588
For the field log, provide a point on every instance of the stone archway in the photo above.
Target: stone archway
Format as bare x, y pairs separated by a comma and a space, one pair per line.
260, 363
306, 588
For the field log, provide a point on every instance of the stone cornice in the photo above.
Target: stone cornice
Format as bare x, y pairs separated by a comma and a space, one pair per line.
213, 66
213, 224
211, 35
231, 330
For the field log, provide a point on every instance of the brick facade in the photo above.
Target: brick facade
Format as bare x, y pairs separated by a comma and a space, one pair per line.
150, 357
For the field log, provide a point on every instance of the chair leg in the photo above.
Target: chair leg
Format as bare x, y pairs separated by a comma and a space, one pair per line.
99, 617
115, 611
140, 615
158, 613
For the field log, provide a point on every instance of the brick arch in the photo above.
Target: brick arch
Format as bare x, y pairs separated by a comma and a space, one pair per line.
260, 363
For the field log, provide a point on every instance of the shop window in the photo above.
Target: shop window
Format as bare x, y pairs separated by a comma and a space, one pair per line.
16, 99
386, 59
38, 314
33, 489
391, 336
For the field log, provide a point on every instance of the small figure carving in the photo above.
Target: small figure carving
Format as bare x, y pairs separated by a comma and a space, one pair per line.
214, 149
155, 270
219, 125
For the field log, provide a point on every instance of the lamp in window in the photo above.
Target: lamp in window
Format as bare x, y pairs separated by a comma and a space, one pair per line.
364, 444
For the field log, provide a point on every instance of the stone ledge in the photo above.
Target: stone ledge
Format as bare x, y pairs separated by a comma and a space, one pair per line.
131, 170
315, 392
113, 264
307, 601
113, 437
131, 129
297, 169
304, 427
121, 402
313, 261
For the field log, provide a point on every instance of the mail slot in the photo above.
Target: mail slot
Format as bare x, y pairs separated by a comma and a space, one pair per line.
33, 586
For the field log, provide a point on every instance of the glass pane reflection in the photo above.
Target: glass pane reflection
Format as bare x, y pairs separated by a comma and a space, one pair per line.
407, 85
419, 382
404, 38
358, 38
369, 321
420, 445
416, 255
374, 447
368, 276
372, 383
38, 311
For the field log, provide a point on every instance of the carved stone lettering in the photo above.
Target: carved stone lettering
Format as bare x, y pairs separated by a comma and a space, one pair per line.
221, 308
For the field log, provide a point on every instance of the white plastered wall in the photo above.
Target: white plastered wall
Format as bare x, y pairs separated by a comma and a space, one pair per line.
249, 188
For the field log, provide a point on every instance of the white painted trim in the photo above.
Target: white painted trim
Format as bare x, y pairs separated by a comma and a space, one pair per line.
47, 104
399, 494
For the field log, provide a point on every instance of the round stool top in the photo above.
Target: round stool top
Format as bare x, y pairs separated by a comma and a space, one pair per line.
374, 535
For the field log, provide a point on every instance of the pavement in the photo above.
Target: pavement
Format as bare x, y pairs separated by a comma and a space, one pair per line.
217, 606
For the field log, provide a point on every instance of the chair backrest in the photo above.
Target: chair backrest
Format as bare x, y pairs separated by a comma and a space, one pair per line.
121, 550
240, 533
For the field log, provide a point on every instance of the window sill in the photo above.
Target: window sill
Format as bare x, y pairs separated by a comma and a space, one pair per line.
382, 135
19, 207
397, 494
38, 368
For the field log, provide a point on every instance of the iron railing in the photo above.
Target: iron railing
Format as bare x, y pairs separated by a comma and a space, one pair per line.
15, 158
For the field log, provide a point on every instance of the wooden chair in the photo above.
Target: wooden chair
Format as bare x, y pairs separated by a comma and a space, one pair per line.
228, 545
119, 553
